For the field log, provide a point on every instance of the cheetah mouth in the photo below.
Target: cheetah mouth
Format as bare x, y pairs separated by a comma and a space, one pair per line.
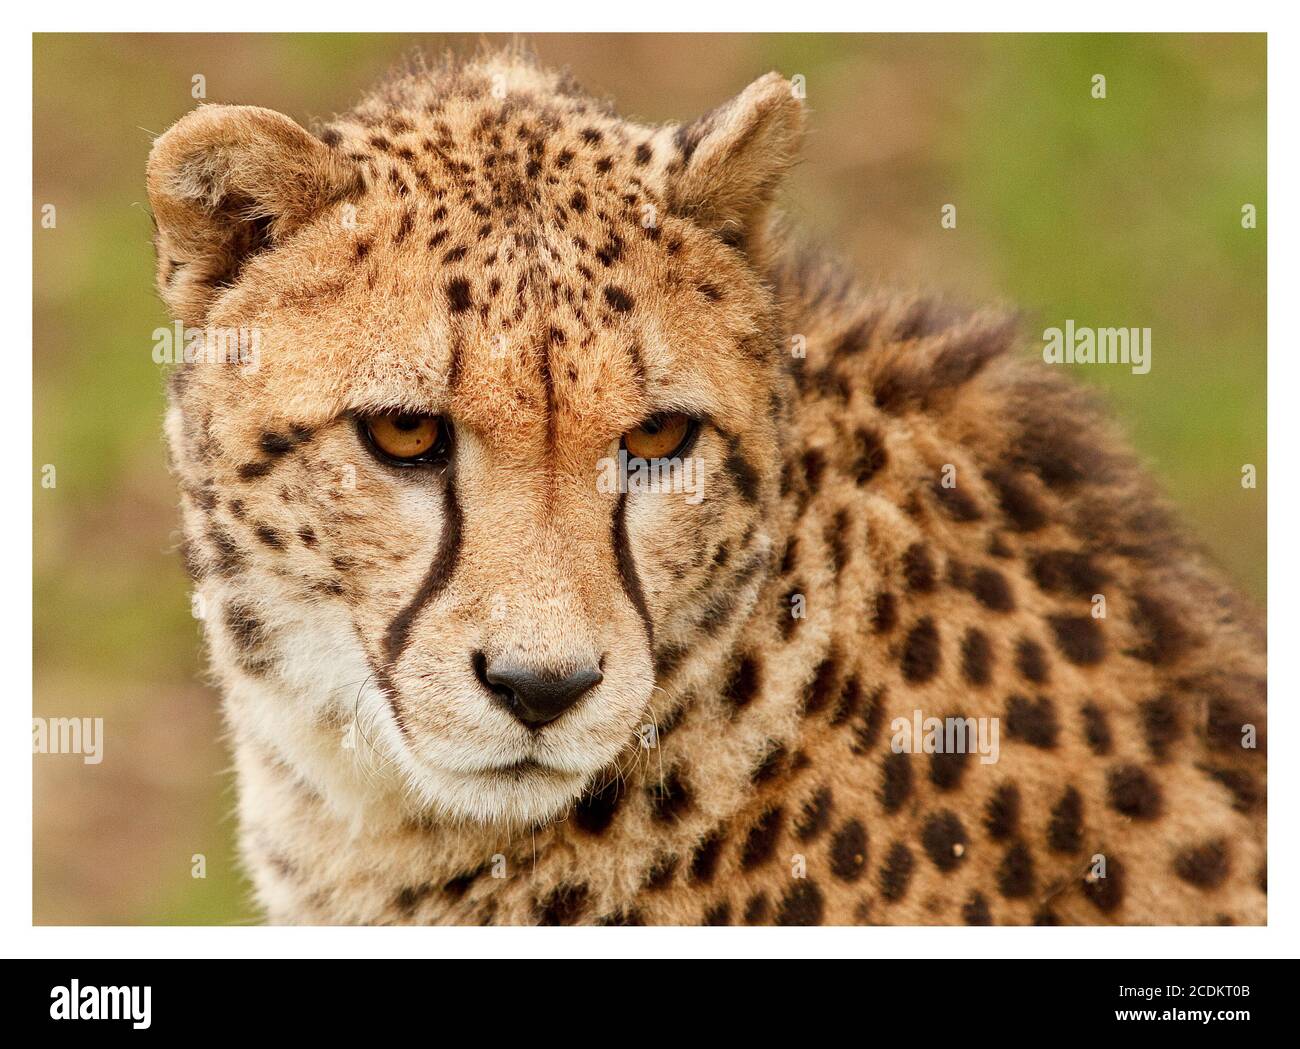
525, 768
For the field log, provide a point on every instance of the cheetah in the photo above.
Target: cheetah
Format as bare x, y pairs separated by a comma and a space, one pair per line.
579, 548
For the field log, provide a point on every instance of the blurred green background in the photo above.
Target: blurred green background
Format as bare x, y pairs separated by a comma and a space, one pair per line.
1122, 212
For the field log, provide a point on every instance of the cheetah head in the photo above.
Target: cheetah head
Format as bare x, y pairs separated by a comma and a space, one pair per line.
482, 319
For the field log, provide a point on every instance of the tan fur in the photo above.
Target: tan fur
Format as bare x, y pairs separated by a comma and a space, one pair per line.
735, 765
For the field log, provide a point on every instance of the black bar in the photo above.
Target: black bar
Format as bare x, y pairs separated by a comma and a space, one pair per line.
472, 1000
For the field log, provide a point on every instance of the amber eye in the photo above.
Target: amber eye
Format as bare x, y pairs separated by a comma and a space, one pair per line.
407, 437
660, 437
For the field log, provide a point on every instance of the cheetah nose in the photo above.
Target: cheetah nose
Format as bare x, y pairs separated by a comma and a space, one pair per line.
534, 698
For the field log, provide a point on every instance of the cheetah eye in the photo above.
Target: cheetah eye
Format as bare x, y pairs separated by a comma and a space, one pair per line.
407, 438
663, 436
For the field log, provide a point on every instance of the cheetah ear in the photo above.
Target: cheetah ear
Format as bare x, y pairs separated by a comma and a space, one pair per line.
224, 183
733, 158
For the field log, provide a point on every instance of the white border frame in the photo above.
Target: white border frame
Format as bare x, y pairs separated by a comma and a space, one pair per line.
1278, 939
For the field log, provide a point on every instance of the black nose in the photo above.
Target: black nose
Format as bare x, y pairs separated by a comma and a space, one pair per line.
535, 699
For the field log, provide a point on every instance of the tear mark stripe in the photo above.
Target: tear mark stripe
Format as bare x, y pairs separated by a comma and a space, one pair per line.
435, 580
627, 568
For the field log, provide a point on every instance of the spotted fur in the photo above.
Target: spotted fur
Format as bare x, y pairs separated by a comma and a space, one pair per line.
904, 514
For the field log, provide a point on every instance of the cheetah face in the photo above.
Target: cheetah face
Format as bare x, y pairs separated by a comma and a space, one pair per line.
510, 433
